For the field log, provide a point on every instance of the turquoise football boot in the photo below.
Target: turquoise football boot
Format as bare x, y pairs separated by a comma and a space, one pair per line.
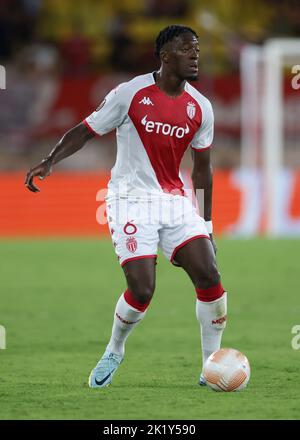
202, 381
101, 375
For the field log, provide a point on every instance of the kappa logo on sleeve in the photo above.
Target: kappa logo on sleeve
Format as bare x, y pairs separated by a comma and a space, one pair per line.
146, 101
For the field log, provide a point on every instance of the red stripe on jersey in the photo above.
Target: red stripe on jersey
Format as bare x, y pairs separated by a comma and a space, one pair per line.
166, 127
201, 149
90, 128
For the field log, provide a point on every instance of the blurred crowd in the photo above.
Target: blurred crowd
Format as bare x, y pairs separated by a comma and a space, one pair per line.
83, 35
44, 40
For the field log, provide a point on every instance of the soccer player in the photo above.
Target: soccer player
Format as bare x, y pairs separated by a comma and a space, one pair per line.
157, 117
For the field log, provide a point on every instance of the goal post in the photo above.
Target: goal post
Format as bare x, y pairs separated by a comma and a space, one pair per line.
275, 53
262, 117
250, 67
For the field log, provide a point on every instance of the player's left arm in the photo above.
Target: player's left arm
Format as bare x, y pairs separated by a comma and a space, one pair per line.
202, 177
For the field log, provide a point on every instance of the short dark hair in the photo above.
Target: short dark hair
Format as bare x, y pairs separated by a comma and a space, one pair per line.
168, 33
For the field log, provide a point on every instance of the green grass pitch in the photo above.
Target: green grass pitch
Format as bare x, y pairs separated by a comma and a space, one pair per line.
57, 303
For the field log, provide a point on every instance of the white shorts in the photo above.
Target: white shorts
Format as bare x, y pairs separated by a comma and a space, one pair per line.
138, 228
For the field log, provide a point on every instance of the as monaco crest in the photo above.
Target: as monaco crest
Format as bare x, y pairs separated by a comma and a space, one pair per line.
191, 110
131, 244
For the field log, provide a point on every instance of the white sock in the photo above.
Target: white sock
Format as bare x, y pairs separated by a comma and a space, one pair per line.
212, 319
126, 318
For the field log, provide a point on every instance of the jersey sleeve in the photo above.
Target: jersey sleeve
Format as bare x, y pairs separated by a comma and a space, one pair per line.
204, 136
110, 114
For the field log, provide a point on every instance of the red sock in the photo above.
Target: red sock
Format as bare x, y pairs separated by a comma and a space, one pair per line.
134, 303
210, 294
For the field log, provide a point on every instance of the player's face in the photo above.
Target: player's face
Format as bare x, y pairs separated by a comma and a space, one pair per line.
184, 56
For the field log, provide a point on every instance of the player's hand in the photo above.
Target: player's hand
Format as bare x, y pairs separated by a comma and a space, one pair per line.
213, 243
41, 171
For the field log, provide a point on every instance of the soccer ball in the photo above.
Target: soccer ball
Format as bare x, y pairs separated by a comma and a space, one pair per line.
227, 369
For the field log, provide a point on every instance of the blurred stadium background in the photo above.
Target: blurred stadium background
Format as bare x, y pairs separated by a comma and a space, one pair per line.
61, 58
57, 296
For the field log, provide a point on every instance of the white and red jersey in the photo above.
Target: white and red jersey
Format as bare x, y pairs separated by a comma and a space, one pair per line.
153, 132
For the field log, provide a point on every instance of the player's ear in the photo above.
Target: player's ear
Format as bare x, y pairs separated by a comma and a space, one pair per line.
164, 56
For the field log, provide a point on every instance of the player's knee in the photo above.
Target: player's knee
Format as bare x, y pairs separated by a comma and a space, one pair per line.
142, 292
208, 277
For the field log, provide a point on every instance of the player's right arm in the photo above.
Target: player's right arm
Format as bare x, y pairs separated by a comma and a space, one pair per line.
71, 142
109, 115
